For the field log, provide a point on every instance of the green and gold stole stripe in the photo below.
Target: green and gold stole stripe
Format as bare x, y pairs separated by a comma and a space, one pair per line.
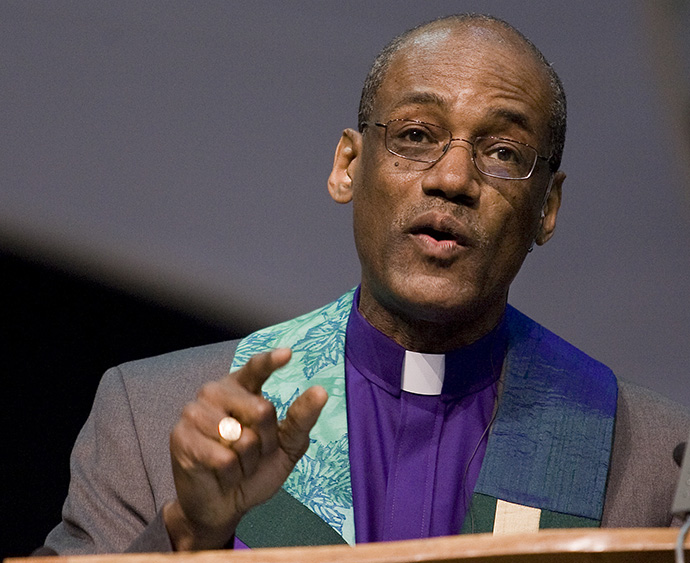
484, 514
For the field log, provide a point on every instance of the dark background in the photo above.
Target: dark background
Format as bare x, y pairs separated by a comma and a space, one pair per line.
59, 332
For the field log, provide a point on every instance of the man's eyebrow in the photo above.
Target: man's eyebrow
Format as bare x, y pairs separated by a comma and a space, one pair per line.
516, 117
422, 98
435, 99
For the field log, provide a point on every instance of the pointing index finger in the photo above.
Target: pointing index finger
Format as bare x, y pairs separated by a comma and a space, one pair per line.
259, 368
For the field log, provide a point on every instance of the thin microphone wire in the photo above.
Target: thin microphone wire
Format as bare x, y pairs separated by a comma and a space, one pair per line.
682, 534
467, 497
498, 393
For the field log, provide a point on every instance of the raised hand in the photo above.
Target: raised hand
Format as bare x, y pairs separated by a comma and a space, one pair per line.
216, 482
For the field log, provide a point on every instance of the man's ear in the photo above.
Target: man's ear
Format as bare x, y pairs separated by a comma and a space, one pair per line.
344, 165
550, 210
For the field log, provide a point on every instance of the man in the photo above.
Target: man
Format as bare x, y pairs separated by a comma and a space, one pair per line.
440, 406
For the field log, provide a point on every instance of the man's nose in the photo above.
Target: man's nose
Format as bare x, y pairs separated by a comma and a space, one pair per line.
454, 176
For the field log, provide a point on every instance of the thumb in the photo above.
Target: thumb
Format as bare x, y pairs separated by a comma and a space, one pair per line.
293, 432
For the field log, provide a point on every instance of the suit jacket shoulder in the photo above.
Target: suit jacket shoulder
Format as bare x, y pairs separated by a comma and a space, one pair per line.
643, 475
120, 466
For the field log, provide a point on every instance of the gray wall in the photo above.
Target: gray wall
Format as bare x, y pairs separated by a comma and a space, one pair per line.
182, 149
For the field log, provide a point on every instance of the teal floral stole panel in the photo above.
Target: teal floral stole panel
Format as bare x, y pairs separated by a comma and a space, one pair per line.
321, 479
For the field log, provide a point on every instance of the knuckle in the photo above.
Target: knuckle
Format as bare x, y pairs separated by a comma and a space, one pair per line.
295, 449
181, 431
182, 451
185, 461
209, 392
248, 443
253, 440
288, 427
264, 411
191, 413
222, 459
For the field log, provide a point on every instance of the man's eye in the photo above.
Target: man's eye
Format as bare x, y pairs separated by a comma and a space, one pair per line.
415, 136
504, 153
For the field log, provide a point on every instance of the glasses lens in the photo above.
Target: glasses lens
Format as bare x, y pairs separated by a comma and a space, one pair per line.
415, 140
504, 159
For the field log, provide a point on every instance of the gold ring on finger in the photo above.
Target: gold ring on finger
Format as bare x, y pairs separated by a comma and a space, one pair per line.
229, 430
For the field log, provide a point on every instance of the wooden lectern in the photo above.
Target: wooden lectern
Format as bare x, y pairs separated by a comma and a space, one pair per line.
648, 545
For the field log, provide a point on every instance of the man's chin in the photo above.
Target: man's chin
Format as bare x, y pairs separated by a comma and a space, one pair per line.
438, 300
430, 315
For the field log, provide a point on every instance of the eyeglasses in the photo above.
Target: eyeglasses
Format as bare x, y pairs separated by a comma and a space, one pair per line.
493, 156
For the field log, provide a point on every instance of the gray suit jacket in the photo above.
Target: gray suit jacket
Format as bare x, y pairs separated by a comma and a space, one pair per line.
121, 474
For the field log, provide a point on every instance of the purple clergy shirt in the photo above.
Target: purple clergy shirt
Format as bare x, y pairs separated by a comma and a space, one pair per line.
415, 459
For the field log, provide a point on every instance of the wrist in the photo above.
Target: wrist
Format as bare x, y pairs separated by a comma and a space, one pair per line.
186, 536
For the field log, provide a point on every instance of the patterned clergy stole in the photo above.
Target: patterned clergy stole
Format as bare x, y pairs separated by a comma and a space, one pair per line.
547, 456
321, 479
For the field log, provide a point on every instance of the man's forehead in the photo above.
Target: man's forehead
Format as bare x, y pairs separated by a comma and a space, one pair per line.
477, 35
454, 52
476, 41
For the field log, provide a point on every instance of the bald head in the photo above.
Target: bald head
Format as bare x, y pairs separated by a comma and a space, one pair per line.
486, 31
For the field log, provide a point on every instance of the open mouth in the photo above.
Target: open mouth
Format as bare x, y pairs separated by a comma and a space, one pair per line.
437, 244
436, 234
439, 235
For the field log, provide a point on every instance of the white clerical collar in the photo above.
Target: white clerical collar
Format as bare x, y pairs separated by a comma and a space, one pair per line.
422, 374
